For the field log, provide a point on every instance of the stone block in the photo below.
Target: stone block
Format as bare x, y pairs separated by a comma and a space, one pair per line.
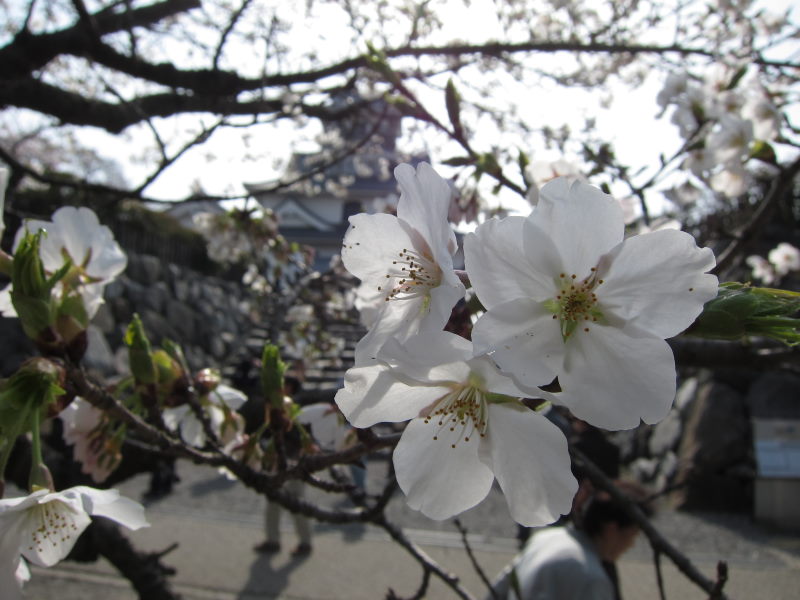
183, 320
666, 434
716, 439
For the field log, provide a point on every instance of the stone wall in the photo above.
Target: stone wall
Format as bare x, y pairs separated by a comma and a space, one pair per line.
703, 450
208, 316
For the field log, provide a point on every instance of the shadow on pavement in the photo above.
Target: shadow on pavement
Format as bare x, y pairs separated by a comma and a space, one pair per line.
267, 581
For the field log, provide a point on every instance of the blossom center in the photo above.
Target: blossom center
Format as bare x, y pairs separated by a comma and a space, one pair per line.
463, 409
54, 527
412, 275
575, 305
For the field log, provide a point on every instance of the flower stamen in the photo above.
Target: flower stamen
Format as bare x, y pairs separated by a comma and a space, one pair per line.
575, 302
463, 409
415, 275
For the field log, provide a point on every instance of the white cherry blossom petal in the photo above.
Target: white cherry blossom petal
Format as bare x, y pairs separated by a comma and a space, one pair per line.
437, 479
394, 319
485, 253
677, 283
615, 380
173, 416
111, 505
192, 430
327, 425
530, 460
371, 243
412, 357
230, 397
582, 221
424, 204
6, 305
372, 394
524, 339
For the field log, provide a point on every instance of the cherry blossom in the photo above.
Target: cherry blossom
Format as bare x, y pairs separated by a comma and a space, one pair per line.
76, 232
566, 297
218, 405
540, 172
762, 269
731, 141
328, 426
407, 259
764, 115
44, 526
467, 427
731, 181
83, 430
785, 258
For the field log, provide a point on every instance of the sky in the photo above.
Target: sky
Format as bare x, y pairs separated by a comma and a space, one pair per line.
630, 122
635, 111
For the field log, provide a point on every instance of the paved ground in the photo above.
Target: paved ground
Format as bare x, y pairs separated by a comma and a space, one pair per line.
218, 522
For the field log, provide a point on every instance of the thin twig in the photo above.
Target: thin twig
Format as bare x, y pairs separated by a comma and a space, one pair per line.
659, 574
780, 186
421, 557
475, 564
658, 542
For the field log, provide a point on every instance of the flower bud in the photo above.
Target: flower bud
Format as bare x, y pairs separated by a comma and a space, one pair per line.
207, 380
740, 311
139, 352
41, 478
31, 289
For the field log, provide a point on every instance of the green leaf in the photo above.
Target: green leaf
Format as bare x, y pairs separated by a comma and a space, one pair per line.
764, 152
453, 103
737, 78
459, 161
524, 162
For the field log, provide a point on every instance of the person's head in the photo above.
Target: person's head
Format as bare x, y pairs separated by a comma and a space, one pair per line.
610, 526
291, 386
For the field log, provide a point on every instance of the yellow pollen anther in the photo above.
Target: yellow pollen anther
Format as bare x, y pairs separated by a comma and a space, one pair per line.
462, 411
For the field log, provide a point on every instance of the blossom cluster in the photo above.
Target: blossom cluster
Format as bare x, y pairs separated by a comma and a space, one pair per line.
726, 118
781, 260
567, 300
73, 234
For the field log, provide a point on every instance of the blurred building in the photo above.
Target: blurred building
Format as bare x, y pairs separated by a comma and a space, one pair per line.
351, 173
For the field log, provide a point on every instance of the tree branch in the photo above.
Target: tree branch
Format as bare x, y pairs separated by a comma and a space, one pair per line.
658, 542
780, 186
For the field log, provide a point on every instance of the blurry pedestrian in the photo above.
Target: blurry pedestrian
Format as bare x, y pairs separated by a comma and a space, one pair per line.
292, 447
571, 562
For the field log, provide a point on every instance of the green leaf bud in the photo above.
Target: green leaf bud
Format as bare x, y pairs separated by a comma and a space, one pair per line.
31, 291
740, 311
139, 352
272, 372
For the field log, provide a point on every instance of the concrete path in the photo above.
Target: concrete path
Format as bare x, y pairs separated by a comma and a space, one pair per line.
217, 524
